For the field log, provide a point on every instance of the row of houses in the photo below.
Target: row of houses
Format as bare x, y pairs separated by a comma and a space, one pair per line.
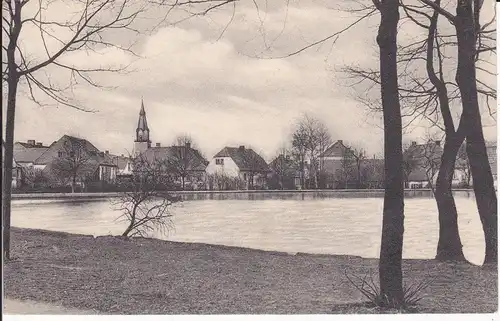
75, 162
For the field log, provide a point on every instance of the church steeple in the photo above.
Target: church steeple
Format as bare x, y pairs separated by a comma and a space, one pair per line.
142, 142
142, 131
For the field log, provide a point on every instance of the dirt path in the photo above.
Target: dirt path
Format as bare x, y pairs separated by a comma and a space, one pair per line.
31, 307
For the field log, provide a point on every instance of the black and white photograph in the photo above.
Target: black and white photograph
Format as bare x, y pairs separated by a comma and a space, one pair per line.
249, 157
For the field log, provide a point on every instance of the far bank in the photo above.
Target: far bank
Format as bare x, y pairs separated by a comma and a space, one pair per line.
250, 194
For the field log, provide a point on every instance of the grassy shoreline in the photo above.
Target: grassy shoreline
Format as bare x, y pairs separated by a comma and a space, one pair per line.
150, 276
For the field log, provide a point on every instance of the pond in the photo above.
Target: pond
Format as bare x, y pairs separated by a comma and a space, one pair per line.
328, 223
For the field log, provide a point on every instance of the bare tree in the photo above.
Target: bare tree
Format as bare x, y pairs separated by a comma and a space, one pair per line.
358, 156
185, 158
145, 201
34, 177
391, 251
299, 150
283, 168
347, 171
430, 160
85, 31
72, 163
410, 162
470, 36
311, 138
183, 140
430, 97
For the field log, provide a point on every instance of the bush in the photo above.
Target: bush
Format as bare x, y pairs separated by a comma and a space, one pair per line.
412, 294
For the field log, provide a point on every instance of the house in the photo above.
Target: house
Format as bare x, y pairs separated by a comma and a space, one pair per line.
27, 153
123, 163
240, 163
332, 164
421, 164
16, 169
75, 160
184, 163
285, 173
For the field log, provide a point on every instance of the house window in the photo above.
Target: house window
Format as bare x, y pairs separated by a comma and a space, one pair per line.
219, 161
245, 176
59, 154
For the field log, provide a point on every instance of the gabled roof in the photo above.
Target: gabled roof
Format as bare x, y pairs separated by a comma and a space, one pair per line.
51, 153
26, 153
195, 161
246, 159
120, 161
337, 149
95, 157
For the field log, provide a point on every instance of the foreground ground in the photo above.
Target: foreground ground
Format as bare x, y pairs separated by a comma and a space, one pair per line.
32, 307
149, 276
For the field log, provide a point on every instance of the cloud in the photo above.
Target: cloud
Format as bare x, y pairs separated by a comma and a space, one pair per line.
212, 89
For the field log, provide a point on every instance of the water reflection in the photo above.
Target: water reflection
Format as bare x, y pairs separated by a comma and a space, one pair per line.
315, 222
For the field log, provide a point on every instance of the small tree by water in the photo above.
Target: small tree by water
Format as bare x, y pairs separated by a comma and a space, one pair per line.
145, 200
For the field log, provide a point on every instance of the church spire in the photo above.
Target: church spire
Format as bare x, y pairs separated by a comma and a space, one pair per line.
142, 131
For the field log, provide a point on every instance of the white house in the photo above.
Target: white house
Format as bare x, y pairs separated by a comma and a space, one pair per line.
240, 163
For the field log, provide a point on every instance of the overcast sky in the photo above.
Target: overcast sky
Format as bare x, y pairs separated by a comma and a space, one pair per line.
216, 90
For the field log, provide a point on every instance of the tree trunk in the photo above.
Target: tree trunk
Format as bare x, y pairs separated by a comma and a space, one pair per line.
390, 273
183, 182
449, 245
12, 83
73, 184
482, 177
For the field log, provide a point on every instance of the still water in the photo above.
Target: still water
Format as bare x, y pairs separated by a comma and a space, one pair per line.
314, 223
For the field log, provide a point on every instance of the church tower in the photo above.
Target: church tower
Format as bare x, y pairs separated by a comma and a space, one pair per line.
142, 142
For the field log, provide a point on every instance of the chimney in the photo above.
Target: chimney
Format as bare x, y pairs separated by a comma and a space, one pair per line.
107, 152
438, 142
39, 144
31, 142
121, 155
158, 145
340, 141
188, 145
242, 147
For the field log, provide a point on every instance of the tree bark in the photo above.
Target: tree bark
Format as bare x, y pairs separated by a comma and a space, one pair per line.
482, 177
12, 83
449, 245
390, 273
8, 162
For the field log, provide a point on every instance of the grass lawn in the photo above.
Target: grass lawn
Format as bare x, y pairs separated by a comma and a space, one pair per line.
150, 276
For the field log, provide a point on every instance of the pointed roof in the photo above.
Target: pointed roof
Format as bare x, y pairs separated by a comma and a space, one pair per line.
195, 161
245, 158
337, 149
143, 123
